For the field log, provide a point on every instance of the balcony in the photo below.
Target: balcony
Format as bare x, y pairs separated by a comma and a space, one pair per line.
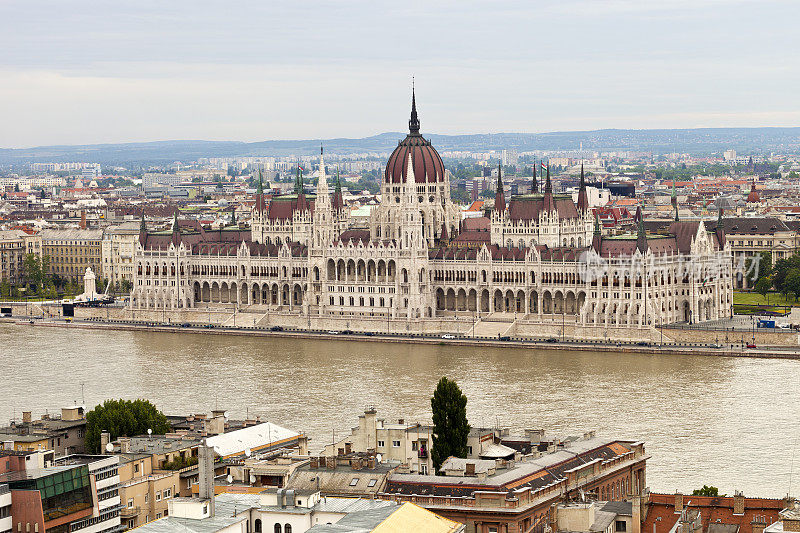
129, 512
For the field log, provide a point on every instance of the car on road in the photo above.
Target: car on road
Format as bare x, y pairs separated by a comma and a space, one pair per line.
751, 345
276, 328
347, 332
448, 336
642, 343
552, 339
716, 345
332, 332
368, 334
504, 338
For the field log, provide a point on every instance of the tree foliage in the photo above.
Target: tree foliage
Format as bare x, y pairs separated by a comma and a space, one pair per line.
707, 490
450, 426
123, 418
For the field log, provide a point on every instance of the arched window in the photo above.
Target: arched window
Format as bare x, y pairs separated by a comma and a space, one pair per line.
277, 528
257, 525
287, 528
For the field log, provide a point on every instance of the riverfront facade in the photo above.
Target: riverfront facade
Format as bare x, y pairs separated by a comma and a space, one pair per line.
543, 259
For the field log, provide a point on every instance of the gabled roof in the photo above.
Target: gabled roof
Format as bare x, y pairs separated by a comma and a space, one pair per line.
528, 207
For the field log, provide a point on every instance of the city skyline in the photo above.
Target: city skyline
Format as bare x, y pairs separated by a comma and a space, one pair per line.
93, 73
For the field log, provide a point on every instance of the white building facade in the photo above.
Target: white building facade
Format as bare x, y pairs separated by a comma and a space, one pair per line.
414, 263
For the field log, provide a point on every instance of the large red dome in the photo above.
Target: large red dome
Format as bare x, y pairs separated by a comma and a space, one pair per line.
428, 166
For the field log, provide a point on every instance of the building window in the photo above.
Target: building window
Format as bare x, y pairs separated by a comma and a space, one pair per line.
130, 503
395, 443
354, 482
158, 496
372, 482
620, 526
381, 444
277, 528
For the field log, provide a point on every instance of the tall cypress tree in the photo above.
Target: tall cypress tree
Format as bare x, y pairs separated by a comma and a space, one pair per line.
450, 426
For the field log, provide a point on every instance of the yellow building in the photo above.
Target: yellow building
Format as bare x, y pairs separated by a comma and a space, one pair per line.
71, 251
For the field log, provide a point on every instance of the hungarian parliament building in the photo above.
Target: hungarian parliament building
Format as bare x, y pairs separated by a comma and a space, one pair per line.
542, 260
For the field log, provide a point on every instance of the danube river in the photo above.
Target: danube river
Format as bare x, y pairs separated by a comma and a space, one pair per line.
729, 422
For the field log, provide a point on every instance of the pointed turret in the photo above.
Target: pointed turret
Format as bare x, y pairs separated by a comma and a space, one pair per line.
499, 198
322, 182
720, 230
260, 203
233, 217
641, 237
142, 230
534, 184
338, 200
597, 238
445, 238
176, 230
583, 199
549, 203
674, 200
413, 122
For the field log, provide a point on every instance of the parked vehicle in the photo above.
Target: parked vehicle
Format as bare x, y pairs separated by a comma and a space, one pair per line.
276, 328
448, 336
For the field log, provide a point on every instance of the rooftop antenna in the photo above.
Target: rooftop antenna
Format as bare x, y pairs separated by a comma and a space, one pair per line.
83, 400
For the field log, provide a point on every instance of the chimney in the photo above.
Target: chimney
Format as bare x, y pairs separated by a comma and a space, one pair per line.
205, 465
738, 503
124, 444
26, 417
469, 469
636, 511
302, 445
83, 219
678, 502
105, 438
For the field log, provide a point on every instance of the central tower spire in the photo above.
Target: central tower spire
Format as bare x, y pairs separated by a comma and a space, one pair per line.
413, 123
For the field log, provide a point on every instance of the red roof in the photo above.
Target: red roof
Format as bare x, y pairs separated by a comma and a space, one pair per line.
529, 207
428, 166
661, 514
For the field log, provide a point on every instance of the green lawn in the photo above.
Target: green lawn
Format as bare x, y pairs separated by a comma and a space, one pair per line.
753, 298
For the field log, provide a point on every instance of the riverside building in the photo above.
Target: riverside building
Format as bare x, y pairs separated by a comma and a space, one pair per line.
543, 262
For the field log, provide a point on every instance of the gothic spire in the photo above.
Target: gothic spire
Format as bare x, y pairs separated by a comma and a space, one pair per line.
583, 199
597, 238
720, 230
499, 199
260, 183
674, 200
548, 203
641, 237
143, 226
413, 123
534, 185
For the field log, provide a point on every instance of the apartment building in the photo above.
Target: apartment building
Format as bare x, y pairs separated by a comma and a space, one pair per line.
72, 251
74, 494
118, 245
62, 434
408, 443
14, 246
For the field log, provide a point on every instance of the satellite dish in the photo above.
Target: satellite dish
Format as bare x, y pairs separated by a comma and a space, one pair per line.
229, 478
248, 453
378, 457
109, 447
252, 478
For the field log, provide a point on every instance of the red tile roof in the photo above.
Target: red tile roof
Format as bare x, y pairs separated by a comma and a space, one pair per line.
661, 515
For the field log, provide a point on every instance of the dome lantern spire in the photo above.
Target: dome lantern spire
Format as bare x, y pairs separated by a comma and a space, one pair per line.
413, 123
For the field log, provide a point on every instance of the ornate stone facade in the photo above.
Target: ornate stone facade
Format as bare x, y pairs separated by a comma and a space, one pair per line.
542, 261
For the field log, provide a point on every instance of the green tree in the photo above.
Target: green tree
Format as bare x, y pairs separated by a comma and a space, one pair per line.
32, 272
791, 284
450, 426
123, 418
763, 285
707, 490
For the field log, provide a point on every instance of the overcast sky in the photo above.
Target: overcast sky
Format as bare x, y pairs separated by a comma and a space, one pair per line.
114, 71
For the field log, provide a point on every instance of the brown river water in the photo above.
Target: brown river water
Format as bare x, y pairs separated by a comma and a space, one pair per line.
728, 422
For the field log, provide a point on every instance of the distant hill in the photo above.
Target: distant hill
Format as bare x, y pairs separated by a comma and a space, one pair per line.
696, 141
